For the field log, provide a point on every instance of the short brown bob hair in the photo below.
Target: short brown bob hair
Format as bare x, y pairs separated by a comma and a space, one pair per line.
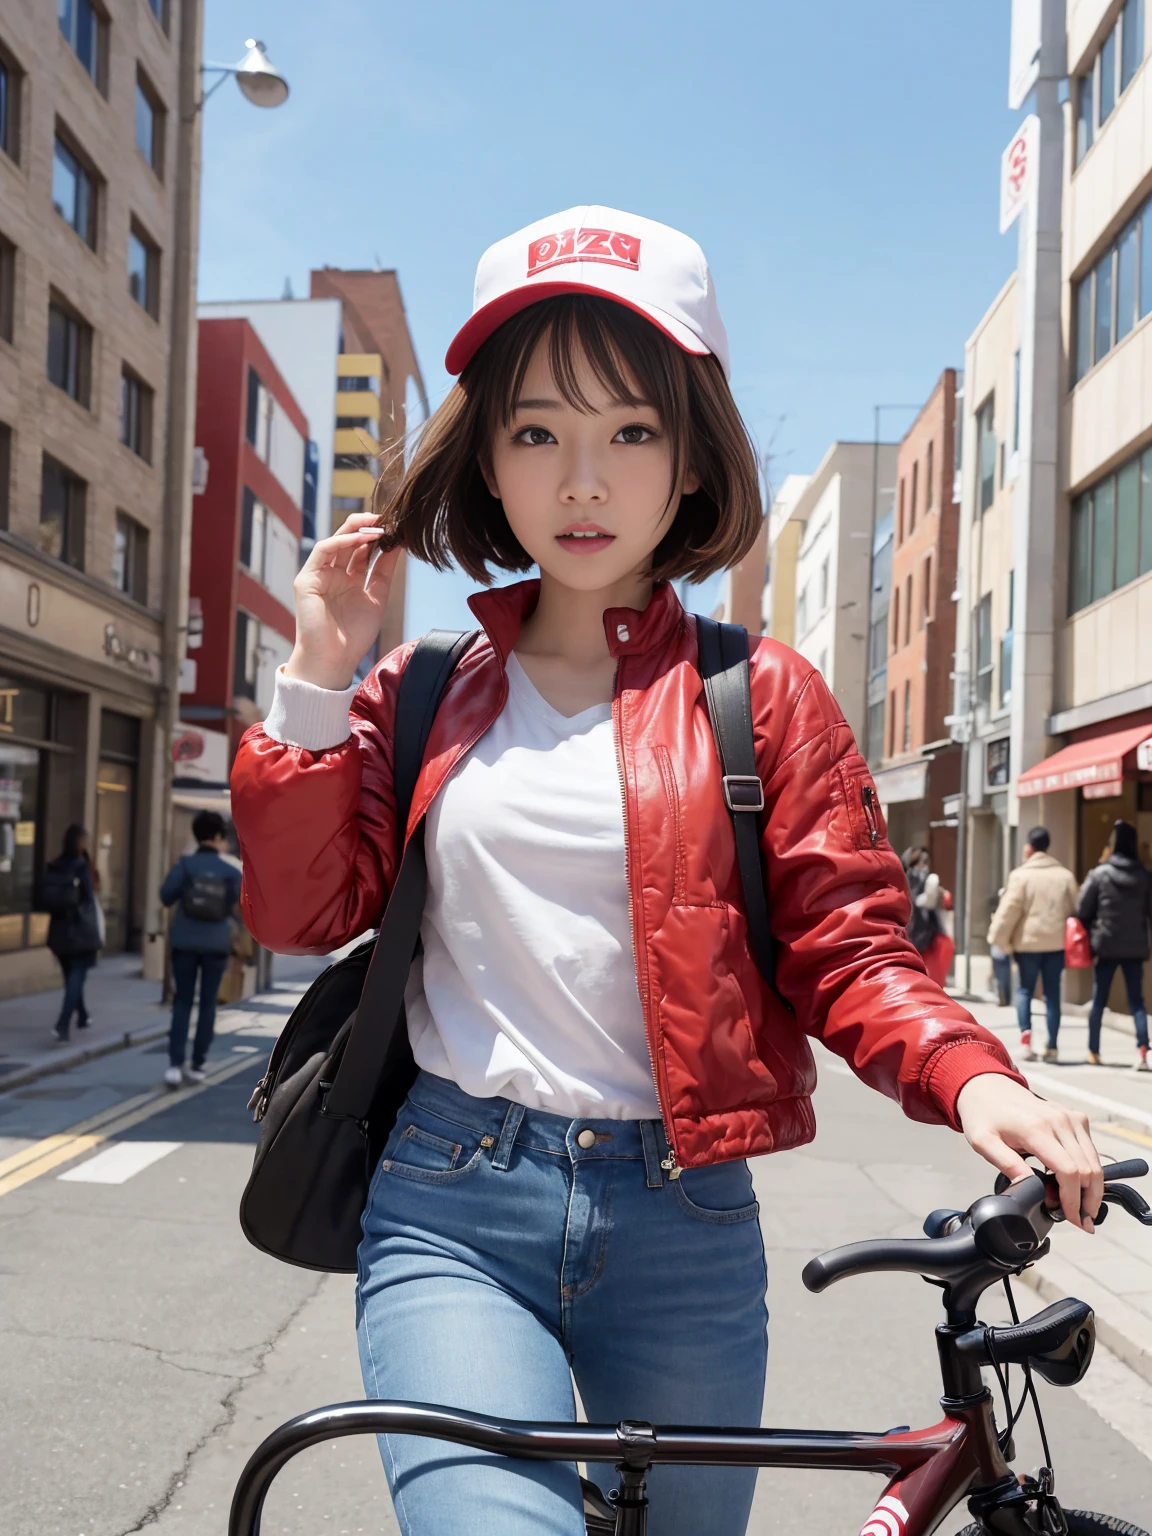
442, 510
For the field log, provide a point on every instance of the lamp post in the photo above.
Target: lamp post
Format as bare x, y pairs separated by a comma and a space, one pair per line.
255, 74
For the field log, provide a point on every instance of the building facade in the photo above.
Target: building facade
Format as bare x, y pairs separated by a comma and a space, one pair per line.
380, 400
837, 509
246, 530
784, 531
98, 175
919, 763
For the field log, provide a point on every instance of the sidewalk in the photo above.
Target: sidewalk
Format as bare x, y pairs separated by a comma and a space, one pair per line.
125, 1009
1112, 1269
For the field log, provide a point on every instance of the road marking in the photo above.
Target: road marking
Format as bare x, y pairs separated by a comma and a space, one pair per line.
43, 1156
119, 1162
1086, 1096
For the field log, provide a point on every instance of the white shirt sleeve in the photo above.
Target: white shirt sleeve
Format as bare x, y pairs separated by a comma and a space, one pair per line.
303, 715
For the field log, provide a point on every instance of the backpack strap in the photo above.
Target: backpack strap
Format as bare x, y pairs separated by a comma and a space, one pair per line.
723, 664
374, 1041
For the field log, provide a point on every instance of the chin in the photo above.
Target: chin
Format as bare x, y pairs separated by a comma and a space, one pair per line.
587, 573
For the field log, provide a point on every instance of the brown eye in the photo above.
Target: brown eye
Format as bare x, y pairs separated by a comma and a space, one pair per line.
634, 435
535, 437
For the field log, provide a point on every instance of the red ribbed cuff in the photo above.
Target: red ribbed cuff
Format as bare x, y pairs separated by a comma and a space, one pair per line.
954, 1065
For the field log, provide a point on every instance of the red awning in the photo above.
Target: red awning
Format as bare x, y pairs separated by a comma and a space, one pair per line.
1096, 766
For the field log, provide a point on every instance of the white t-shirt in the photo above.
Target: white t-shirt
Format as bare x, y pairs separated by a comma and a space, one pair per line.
527, 985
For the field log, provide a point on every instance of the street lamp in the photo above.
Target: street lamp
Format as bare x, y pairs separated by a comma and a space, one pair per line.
256, 75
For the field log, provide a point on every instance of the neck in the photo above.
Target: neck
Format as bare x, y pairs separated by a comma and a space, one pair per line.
569, 624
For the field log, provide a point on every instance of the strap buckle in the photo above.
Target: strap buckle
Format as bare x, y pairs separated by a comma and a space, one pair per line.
743, 792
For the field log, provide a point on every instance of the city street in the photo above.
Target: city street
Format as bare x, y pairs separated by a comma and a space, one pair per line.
147, 1348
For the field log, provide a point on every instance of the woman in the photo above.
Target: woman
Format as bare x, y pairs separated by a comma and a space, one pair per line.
925, 926
68, 892
1116, 908
565, 1194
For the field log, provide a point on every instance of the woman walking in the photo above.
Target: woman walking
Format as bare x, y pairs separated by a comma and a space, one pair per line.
68, 892
925, 926
1116, 908
565, 1196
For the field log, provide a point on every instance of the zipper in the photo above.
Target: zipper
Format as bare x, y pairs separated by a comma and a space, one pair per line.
669, 1164
868, 800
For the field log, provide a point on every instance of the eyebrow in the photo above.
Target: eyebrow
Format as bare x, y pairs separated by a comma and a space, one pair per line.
555, 405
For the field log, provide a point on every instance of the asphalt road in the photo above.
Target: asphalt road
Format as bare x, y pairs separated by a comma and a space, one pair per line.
145, 1348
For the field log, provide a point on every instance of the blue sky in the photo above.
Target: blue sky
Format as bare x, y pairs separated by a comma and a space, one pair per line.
838, 162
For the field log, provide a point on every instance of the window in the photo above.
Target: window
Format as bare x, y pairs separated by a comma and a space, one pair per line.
900, 512
1106, 73
159, 9
907, 739
892, 723
62, 498
69, 350
914, 496
1103, 538
136, 415
1084, 115
1016, 401
930, 478
984, 650
875, 729
1006, 640
996, 762
86, 30
824, 566
355, 504
252, 416
877, 644
986, 440
926, 592
143, 271
11, 90
1127, 524
895, 618
253, 516
247, 656
149, 124
1102, 324
1126, 280
1082, 329
74, 192
5, 470
802, 612
364, 461
7, 289
130, 558
354, 423
908, 608
358, 383
1131, 41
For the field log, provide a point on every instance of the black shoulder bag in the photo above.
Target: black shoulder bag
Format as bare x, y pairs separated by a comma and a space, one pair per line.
342, 1066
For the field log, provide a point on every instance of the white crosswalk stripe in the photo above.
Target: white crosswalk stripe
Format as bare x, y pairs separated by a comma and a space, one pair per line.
119, 1162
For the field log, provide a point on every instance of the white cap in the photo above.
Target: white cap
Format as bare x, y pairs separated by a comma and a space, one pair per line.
646, 266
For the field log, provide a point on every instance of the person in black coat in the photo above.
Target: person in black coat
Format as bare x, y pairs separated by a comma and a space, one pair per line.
68, 892
1116, 908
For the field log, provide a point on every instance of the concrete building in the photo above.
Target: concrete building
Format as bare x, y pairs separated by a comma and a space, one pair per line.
837, 509
246, 529
380, 399
302, 337
920, 764
99, 171
784, 530
880, 597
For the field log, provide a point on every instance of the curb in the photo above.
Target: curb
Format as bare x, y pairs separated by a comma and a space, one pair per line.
76, 1058
1124, 1330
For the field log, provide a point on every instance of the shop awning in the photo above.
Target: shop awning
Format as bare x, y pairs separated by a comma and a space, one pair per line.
1096, 766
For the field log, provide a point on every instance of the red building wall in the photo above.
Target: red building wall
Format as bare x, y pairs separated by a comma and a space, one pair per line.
227, 349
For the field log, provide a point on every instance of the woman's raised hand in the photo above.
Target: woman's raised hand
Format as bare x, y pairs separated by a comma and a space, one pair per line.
340, 603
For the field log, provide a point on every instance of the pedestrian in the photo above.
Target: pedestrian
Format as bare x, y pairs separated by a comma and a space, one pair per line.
565, 1193
1038, 900
925, 926
1115, 907
204, 887
75, 931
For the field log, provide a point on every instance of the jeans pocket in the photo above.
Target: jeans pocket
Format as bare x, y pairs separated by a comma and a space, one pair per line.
416, 1152
721, 1193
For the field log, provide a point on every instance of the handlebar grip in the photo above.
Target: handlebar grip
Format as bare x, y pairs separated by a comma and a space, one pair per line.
1133, 1168
942, 1257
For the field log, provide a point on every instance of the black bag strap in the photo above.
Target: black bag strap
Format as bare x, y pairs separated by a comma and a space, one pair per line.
723, 663
382, 996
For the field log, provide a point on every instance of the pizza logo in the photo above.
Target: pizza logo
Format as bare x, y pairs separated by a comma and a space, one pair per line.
610, 246
889, 1518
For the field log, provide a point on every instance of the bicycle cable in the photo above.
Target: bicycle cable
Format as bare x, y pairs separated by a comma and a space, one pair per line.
1029, 1385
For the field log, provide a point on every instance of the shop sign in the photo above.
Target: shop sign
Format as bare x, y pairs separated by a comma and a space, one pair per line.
1018, 171
996, 762
1023, 50
200, 756
1144, 756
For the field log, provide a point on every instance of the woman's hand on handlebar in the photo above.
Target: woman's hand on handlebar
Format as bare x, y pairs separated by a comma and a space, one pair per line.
340, 603
1004, 1121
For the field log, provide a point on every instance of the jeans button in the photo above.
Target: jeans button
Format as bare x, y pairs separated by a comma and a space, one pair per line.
586, 1139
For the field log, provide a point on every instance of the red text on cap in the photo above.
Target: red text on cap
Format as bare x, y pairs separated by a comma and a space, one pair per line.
606, 245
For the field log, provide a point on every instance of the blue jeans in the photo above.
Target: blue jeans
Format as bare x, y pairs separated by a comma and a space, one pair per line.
501, 1259
185, 963
75, 973
1046, 964
1133, 984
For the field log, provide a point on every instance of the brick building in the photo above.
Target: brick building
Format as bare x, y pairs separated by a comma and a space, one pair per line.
920, 765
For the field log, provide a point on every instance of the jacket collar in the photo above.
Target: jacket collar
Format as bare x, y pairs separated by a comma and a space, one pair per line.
1040, 860
629, 631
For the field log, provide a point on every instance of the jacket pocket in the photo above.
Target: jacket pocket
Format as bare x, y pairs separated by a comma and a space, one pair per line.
675, 815
866, 827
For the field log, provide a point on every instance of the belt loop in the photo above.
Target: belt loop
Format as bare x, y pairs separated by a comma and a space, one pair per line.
503, 1153
648, 1137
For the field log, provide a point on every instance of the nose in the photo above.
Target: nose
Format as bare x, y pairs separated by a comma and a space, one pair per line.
583, 483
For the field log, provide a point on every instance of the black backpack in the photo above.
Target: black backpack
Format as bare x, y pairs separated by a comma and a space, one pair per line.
61, 890
343, 1066
206, 898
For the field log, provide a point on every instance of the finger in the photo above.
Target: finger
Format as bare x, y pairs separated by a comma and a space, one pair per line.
995, 1150
335, 549
1065, 1162
1074, 1135
356, 520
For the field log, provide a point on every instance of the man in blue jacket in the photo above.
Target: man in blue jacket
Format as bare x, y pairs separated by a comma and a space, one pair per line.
205, 888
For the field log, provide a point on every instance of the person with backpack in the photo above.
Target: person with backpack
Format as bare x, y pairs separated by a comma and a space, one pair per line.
595, 1053
925, 926
204, 887
1115, 906
75, 933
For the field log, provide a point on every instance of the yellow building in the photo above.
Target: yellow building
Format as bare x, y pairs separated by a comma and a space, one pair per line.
356, 450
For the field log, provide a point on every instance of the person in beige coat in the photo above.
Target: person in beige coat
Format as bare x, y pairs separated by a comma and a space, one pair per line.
1040, 897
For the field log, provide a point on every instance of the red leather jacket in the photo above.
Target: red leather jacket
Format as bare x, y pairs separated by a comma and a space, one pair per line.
733, 1068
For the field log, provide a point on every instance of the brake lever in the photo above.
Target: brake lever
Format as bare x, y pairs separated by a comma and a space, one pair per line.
1130, 1200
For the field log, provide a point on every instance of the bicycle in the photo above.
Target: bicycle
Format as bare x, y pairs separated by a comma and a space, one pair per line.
928, 1470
